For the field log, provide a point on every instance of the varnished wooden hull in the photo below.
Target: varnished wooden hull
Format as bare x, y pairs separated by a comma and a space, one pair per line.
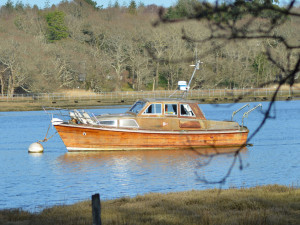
89, 138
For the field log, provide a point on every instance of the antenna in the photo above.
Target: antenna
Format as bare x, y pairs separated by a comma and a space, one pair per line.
197, 67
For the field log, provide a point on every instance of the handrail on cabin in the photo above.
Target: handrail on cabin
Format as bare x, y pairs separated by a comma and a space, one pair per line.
236, 111
247, 113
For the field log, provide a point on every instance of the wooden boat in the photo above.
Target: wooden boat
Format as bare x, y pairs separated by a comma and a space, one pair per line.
149, 124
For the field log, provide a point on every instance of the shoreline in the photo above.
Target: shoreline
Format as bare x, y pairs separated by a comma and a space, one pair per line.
270, 204
71, 99
30, 105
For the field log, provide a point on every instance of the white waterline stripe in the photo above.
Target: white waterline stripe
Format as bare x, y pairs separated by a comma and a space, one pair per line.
156, 132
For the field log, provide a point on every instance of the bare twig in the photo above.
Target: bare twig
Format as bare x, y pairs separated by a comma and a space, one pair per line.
232, 31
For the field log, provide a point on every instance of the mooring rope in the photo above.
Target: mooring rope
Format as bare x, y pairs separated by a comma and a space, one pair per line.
46, 139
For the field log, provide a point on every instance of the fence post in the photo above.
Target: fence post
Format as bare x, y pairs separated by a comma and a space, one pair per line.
96, 209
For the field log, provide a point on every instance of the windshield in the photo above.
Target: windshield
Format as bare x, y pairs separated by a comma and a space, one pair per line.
136, 108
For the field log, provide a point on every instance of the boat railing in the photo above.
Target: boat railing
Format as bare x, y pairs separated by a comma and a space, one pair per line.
76, 116
59, 112
245, 115
238, 110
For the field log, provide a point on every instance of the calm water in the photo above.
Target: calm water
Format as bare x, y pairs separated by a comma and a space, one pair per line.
36, 181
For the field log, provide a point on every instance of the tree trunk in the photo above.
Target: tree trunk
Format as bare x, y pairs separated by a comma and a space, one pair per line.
2, 85
11, 83
9, 86
153, 86
157, 74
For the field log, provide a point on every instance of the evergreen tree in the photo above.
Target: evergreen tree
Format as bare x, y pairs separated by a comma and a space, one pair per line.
132, 7
19, 6
92, 3
183, 8
57, 29
141, 4
9, 5
116, 5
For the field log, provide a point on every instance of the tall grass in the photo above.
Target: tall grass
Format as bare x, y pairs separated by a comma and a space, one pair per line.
269, 205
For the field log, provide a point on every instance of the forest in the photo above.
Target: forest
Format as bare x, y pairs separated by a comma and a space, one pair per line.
79, 45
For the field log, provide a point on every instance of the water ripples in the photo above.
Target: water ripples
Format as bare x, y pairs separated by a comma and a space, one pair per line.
36, 181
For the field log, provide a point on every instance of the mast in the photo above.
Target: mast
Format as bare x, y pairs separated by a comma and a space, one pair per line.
197, 67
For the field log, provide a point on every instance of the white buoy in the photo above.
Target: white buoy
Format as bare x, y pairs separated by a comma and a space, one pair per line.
35, 147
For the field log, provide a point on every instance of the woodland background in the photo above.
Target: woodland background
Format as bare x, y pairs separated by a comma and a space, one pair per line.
79, 45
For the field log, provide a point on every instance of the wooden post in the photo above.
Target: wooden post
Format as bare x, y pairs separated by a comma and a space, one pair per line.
96, 209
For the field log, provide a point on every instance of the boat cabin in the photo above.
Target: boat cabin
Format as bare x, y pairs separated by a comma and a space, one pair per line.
161, 114
167, 114
167, 108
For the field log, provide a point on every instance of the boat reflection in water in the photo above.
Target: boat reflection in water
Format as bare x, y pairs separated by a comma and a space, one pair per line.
123, 161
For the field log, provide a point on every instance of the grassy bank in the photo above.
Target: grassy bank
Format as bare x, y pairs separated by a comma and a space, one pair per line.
70, 104
271, 204
6, 106
86, 99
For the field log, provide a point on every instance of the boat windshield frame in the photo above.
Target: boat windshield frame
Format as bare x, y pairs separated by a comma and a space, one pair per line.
137, 107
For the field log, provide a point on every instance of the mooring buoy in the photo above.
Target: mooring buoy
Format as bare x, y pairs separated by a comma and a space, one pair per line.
35, 147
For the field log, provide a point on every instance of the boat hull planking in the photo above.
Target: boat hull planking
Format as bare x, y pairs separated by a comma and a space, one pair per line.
90, 138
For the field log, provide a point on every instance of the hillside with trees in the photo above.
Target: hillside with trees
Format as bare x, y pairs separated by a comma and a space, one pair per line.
77, 44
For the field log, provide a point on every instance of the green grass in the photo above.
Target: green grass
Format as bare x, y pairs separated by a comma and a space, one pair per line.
269, 205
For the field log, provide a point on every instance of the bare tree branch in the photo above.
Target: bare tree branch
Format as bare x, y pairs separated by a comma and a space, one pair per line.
243, 20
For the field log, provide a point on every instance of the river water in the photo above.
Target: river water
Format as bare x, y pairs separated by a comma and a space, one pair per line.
37, 181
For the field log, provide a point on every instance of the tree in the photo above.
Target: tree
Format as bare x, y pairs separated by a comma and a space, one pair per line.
3, 71
183, 8
92, 3
13, 69
158, 46
139, 63
116, 46
233, 63
116, 5
132, 7
9, 6
19, 6
57, 29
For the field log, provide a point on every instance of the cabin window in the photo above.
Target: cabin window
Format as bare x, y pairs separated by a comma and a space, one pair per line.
170, 109
128, 123
153, 109
108, 122
186, 110
136, 108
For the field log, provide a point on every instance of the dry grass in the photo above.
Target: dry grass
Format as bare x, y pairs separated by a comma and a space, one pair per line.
286, 87
273, 204
77, 92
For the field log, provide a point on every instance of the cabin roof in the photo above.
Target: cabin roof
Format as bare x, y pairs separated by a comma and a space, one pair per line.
169, 100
